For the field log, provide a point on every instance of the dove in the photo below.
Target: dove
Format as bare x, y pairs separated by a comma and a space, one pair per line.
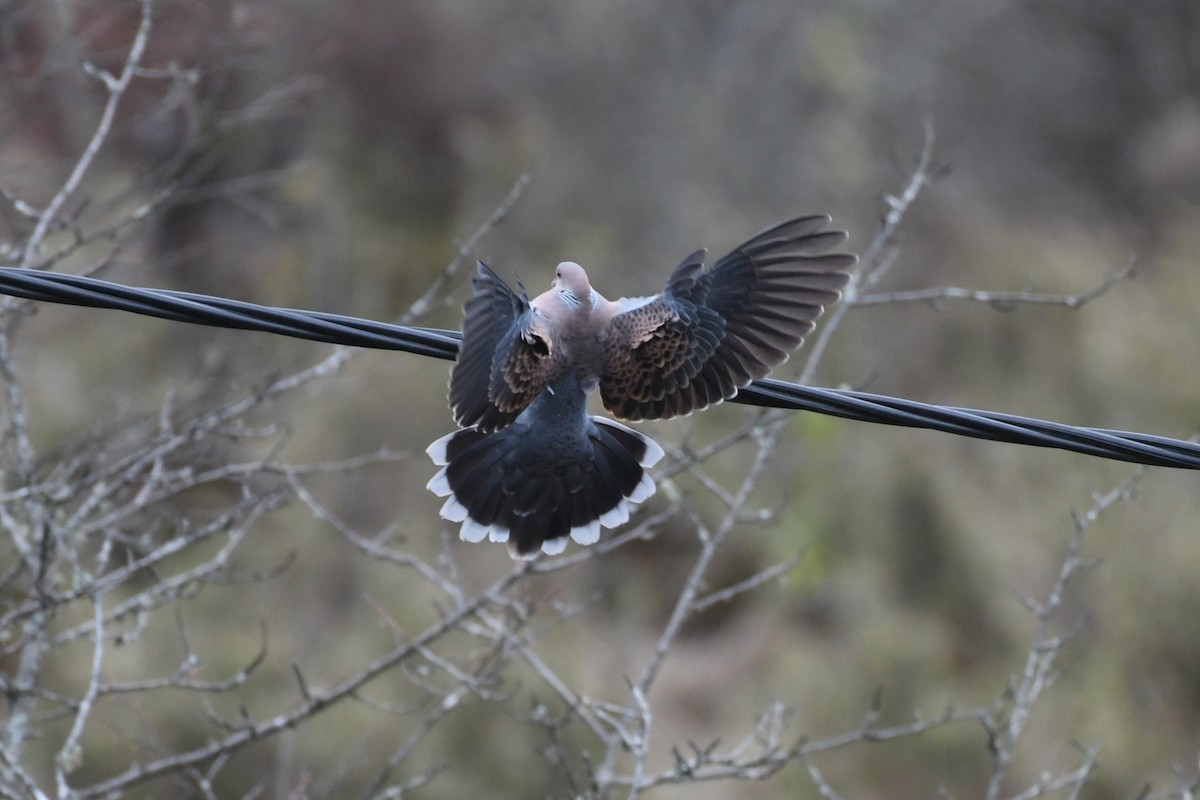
529, 466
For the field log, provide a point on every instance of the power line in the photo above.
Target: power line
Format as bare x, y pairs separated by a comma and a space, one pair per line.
53, 287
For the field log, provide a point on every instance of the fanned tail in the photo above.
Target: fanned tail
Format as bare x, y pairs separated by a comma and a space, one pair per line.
515, 487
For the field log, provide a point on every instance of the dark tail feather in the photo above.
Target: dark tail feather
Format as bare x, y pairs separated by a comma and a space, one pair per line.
503, 489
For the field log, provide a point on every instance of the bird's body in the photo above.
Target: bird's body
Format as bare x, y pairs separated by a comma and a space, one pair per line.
530, 466
576, 317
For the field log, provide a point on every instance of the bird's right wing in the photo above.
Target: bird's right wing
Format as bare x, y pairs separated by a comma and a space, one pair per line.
505, 358
712, 331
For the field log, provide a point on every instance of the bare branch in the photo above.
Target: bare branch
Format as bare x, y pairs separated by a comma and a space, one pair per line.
116, 86
876, 261
70, 756
1005, 729
1000, 301
318, 702
424, 304
763, 576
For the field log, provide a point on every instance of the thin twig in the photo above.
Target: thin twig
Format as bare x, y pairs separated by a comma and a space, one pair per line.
70, 756
424, 304
1001, 301
1037, 673
116, 87
874, 264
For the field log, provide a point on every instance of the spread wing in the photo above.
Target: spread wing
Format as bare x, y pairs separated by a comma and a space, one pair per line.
711, 332
505, 359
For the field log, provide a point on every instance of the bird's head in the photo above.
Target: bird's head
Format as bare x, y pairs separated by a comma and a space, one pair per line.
572, 283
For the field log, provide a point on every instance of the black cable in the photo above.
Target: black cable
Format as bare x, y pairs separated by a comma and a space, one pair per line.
1138, 448
53, 287
219, 312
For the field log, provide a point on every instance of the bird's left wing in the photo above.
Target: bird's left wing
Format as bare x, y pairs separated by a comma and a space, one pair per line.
506, 357
711, 332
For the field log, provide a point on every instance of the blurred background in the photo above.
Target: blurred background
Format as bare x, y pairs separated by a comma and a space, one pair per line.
334, 155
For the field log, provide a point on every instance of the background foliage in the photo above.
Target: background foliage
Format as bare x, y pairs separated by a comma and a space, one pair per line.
344, 156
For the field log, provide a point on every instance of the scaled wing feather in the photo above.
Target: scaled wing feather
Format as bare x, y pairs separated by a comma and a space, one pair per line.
711, 332
505, 358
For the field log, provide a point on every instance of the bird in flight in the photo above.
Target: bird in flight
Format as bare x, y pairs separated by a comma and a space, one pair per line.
530, 467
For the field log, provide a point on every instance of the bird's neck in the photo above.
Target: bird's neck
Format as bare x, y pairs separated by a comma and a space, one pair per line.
579, 337
582, 311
